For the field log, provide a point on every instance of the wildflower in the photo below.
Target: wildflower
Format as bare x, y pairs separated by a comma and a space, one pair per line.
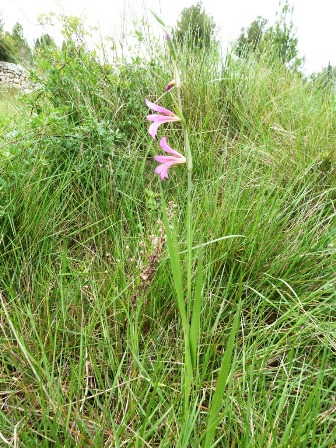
171, 84
166, 117
167, 161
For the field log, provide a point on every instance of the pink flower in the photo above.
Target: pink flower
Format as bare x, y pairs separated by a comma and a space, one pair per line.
167, 161
158, 119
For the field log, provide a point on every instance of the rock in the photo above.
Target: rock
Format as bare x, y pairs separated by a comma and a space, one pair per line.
13, 74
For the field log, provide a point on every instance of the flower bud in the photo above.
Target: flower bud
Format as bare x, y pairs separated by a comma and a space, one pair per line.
171, 84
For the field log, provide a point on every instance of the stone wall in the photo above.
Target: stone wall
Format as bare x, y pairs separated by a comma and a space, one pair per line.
13, 75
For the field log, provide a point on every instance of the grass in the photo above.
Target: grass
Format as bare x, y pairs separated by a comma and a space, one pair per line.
7, 104
92, 349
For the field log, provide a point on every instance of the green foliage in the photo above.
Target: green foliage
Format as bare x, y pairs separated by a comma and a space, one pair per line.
14, 46
21, 48
278, 42
195, 28
6, 43
326, 78
250, 39
43, 42
283, 38
6, 49
7, 105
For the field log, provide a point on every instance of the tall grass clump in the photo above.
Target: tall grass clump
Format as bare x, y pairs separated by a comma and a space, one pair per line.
93, 348
7, 104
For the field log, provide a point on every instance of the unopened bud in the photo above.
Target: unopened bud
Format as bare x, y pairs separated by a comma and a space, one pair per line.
170, 85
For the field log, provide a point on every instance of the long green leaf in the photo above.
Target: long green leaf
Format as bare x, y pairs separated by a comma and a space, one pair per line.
221, 383
161, 22
175, 265
196, 312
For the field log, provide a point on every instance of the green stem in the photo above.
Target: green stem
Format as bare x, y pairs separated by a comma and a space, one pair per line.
189, 241
188, 367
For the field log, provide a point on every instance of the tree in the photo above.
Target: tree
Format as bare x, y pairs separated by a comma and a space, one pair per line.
283, 37
13, 46
5, 52
21, 48
279, 41
44, 41
195, 28
2, 23
250, 38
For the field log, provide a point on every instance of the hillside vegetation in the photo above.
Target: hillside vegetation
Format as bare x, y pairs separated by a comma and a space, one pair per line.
92, 342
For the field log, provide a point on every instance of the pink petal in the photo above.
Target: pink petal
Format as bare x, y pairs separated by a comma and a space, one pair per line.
160, 118
164, 159
157, 121
153, 129
158, 108
168, 149
162, 170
